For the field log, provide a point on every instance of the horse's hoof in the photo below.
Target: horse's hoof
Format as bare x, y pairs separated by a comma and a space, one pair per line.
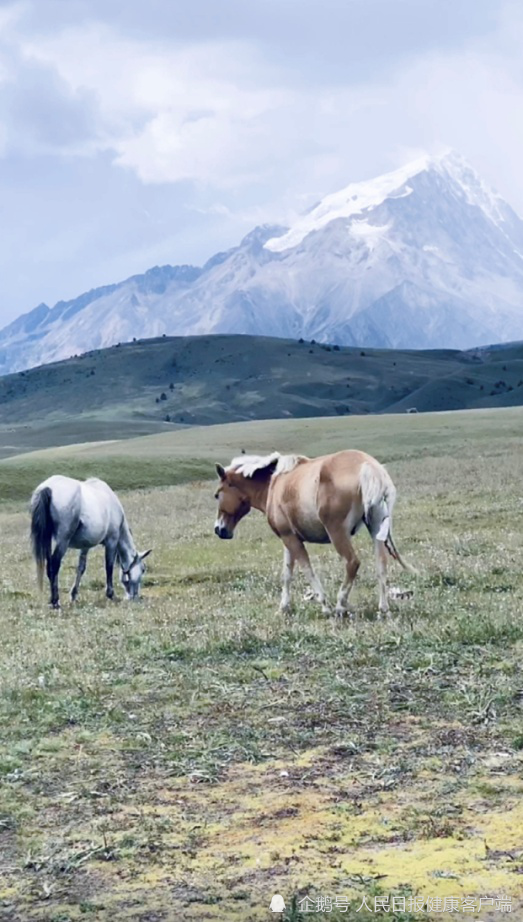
55, 606
344, 613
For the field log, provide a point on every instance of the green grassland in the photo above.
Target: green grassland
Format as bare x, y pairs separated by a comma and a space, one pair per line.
159, 385
174, 457
191, 755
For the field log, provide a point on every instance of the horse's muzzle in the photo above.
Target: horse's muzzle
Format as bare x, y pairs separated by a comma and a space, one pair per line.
222, 532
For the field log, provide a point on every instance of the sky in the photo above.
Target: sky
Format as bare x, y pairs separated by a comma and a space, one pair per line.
137, 134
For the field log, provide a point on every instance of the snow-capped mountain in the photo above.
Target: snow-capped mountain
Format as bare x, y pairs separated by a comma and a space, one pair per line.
424, 257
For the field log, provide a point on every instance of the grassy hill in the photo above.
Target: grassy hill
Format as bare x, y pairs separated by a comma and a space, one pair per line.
154, 385
176, 457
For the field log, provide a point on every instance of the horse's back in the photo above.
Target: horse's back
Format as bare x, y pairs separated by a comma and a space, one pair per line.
101, 512
317, 491
63, 489
99, 487
344, 467
59, 481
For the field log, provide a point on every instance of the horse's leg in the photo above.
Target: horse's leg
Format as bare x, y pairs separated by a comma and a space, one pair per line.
345, 549
288, 568
110, 556
381, 566
63, 538
80, 570
300, 555
53, 569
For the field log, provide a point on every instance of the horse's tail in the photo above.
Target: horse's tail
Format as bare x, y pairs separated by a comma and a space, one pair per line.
395, 554
42, 530
378, 494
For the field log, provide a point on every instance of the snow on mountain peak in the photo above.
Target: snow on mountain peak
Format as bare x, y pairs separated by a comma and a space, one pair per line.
426, 256
357, 198
476, 191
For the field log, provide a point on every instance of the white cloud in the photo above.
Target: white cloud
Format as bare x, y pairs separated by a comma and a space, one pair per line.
230, 130
221, 115
200, 113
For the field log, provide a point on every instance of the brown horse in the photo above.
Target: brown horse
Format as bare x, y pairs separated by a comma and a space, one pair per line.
318, 500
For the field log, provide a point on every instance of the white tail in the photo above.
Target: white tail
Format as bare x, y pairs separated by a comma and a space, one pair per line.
378, 494
376, 487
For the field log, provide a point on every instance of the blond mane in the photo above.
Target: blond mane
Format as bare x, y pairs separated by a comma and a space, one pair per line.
287, 463
249, 465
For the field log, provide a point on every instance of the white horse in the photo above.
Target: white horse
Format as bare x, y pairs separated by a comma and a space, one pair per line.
82, 514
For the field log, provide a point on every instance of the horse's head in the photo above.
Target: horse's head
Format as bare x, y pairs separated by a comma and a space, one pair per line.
233, 503
132, 576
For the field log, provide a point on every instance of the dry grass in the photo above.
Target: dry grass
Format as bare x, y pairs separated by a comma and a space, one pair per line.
189, 756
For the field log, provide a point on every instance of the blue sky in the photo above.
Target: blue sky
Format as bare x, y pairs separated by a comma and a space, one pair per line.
134, 134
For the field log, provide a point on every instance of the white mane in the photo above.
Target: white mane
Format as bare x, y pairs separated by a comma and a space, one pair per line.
248, 465
287, 463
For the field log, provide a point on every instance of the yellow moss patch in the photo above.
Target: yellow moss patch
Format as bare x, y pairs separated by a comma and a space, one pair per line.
445, 867
260, 830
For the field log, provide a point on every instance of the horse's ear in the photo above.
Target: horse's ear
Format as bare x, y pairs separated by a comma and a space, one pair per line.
145, 554
220, 471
